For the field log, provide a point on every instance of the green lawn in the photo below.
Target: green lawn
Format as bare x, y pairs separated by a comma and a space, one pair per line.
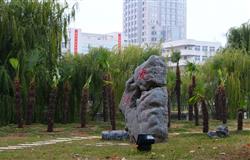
184, 145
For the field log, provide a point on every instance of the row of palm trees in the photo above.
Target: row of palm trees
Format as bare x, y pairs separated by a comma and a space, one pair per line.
218, 89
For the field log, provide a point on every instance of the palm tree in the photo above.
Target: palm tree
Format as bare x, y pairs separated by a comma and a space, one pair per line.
84, 102
32, 60
52, 103
240, 119
104, 66
51, 109
220, 99
176, 56
192, 69
15, 65
66, 71
112, 108
199, 97
31, 102
6, 89
105, 96
170, 88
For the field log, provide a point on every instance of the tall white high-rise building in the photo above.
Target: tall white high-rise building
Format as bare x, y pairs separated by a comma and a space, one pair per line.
154, 21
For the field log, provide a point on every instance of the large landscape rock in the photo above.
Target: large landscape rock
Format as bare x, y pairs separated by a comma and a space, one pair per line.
144, 101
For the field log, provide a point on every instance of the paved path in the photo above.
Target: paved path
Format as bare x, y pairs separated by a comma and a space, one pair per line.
42, 143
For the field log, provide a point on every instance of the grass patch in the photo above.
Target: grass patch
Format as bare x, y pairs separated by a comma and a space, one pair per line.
193, 146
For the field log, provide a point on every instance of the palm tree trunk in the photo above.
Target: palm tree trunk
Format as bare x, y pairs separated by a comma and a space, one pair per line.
190, 106
31, 102
216, 105
18, 104
205, 116
105, 97
84, 106
51, 108
240, 120
196, 114
223, 105
112, 108
66, 102
178, 90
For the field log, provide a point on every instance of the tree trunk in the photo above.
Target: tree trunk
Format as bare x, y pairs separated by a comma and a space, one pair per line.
190, 106
112, 109
216, 105
196, 114
205, 116
18, 104
220, 104
51, 108
66, 89
178, 90
31, 103
105, 97
223, 107
240, 120
169, 111
84, 106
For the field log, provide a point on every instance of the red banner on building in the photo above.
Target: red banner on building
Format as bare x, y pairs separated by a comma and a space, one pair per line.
76, 42
119, 41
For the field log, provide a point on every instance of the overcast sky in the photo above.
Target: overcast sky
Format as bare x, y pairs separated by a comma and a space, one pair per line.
206, 19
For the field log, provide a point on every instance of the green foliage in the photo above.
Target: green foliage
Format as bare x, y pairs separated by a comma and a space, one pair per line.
191, 68
14, 63
230, 68
86, 85
175, 57
239, 37
31, 31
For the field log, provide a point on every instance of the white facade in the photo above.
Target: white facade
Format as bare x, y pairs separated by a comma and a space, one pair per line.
154, 21
80, 42
191, 50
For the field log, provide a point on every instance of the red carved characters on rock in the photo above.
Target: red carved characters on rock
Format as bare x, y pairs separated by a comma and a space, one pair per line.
142, 74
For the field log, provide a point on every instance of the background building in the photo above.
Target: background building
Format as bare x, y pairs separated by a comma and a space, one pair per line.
154, 21
191, 50
80, 42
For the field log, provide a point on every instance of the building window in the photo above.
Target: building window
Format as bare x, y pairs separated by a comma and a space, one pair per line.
204, 58
197, 58
153, 33
211, 49
190, 48
204, 48
197, 48
153, 39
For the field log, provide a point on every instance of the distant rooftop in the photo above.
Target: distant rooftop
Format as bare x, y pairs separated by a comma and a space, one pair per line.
188, 42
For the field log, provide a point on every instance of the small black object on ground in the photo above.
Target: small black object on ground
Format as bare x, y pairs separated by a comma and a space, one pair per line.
144, 142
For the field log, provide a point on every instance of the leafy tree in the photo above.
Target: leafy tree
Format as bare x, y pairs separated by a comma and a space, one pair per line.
239, 37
